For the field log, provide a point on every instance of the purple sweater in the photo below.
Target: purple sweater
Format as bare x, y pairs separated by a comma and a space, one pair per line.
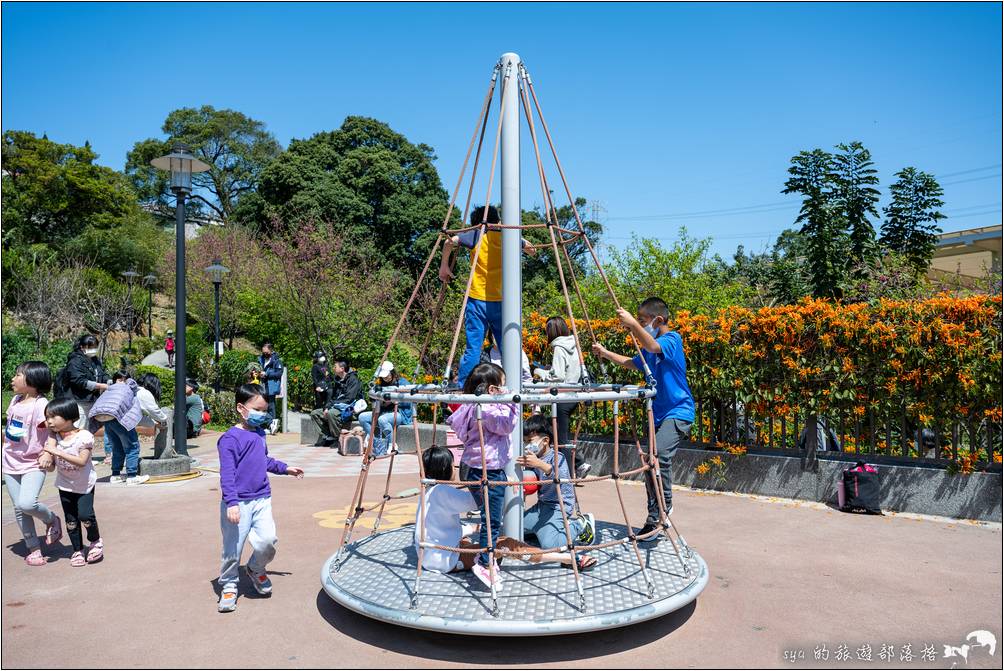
245, 465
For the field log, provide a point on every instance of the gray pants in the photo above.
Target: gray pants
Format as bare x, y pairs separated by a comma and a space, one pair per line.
329, 421
668, 437
258, 527
24, 489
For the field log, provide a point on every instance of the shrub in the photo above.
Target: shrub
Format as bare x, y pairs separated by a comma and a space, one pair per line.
166, 378
142, 348
18, 346
222, 407
233, 363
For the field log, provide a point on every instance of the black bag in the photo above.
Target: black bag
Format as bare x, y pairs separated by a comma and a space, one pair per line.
862, 489
61, 385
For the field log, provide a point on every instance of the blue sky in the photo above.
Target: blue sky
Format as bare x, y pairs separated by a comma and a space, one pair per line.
664, 114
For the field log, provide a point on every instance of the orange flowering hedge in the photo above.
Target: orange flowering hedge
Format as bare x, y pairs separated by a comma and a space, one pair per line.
940, 357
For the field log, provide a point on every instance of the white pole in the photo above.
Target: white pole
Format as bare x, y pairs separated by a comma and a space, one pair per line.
512, 280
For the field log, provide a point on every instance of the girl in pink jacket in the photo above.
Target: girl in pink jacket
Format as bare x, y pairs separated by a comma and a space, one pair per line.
497, 423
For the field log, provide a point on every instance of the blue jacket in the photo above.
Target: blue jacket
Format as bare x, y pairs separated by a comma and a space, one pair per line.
273, 373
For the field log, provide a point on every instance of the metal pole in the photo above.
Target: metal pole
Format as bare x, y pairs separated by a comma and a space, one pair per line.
216, 343
132, 317
512, 281
149, 314
180, 420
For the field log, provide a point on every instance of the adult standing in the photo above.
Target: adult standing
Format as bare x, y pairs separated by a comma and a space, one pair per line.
271, 366
566, 368
320, 375
119, 411
85, 376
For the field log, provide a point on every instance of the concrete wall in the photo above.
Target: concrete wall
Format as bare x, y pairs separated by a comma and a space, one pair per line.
930, 491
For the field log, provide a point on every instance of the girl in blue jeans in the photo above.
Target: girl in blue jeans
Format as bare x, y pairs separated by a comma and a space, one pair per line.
119, 411
387, 377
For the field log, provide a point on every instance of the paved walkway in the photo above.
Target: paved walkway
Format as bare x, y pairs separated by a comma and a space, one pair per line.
156, 358
787, 578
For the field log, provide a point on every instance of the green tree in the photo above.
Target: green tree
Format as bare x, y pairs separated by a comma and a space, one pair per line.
368, 181
52, 192
813, 177
855, 180
911, 224
540, 271
236, 147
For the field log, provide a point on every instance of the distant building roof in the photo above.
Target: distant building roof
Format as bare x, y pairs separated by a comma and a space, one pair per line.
970, 253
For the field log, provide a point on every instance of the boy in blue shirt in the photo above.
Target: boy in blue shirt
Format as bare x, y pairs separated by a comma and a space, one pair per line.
673, 405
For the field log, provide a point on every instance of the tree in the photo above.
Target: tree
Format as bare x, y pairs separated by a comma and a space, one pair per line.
541, 270
856, 196
52, 192
911, 226
368, 181
236, 147
47, 303
813, 176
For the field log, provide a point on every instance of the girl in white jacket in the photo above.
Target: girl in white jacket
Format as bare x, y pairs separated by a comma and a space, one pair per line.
566, 368
148, 394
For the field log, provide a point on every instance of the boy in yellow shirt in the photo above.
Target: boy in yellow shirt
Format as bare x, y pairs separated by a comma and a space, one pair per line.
484, 305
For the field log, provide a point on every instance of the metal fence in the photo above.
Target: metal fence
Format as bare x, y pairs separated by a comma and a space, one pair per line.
891, 437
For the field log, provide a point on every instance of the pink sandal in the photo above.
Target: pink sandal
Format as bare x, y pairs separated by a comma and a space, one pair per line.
78, 559
54, 531
95, 552
35, 558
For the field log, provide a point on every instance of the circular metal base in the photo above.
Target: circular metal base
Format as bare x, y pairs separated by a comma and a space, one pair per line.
375, 576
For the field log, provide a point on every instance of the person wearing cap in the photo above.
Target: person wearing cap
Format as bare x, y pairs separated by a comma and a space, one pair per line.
484, 304
194, 407
320, 375
346, 390
387, 376
169, 348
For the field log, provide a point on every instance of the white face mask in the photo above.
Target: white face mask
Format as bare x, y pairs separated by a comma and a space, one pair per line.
91, 352
531, 448
322, 359
652, 329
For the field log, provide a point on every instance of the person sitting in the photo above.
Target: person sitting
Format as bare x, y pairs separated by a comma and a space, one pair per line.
544, 519
338, 412
438, 519
194, 407
387, 376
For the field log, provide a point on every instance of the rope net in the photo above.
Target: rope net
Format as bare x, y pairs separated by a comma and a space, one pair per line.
559, 239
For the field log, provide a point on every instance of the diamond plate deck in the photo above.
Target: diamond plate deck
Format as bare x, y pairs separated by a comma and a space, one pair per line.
376, 577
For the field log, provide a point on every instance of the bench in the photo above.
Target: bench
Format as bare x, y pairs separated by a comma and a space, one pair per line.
405, 434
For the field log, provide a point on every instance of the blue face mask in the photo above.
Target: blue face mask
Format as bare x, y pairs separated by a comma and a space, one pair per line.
258, 419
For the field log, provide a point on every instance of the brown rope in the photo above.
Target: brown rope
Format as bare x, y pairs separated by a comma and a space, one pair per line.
446, 219
578, 219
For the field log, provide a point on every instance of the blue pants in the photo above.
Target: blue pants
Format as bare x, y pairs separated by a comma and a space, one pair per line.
124, 447
479, 317
496, 500
544, 521
385, 428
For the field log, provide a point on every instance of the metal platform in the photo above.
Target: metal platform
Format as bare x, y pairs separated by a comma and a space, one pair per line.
375, 576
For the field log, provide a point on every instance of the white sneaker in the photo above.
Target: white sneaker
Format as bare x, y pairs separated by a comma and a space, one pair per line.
115, 479
137, 479
582, 470
483, 573
273, 428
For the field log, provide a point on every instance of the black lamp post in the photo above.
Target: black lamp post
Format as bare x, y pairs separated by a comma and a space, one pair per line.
216, 272
130, 277
181, 164
150, 281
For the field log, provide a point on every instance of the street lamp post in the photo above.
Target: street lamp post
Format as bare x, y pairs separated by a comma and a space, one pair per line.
150, 281
181, 164
130, 276
216, 272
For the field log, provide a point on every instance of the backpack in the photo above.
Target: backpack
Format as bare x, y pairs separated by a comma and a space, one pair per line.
61, 385
861, 489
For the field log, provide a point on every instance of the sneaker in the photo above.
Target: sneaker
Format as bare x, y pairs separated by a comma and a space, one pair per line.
137, 479
588, 534
228, 600
582, 470
116, 479
273, 428
484, 574
259, 581
649, 528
